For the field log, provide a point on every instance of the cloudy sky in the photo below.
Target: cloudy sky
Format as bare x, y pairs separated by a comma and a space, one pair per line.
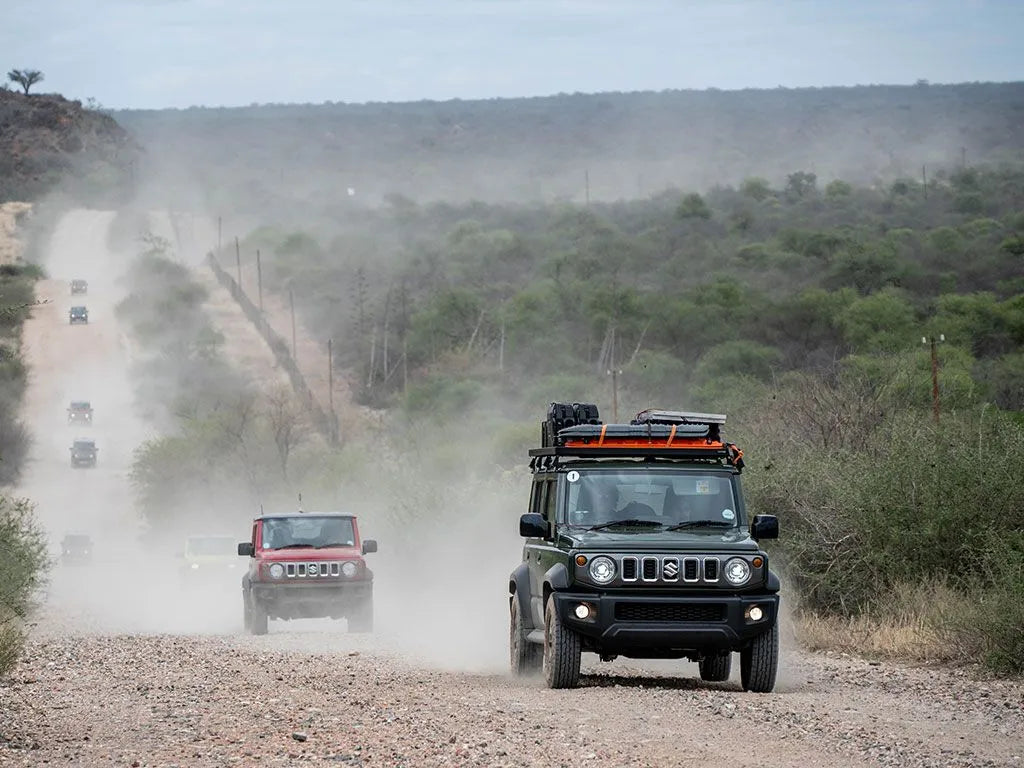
178, 53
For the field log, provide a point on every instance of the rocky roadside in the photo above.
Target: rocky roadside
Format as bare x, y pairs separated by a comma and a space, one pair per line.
293, 698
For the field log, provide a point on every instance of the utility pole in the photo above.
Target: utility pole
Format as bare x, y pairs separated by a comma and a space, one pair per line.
291, 305
259, 279
330, 373
614, 373
932, 341
238, 263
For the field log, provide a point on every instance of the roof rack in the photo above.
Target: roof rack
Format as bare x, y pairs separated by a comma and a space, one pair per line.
674, 435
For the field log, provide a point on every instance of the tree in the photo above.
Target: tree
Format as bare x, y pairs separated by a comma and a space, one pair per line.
26, 78
693, 207
800, 184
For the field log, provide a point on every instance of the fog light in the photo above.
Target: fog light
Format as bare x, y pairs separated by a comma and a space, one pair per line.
582, 611
755, 613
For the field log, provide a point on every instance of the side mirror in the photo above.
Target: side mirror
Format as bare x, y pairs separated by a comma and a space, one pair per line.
764, 527
245, 549
533, 526
369, 545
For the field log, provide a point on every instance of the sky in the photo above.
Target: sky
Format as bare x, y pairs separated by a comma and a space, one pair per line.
151, 54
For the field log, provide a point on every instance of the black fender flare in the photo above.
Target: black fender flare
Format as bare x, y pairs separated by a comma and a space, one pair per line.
519, 589
773, 584
556, 578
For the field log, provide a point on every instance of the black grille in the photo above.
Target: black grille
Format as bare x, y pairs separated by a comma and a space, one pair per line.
711, 569
679, 612
650, 568
629, 569
690, 569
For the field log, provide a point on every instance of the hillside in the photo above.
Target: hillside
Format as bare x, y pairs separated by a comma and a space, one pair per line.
299, 158
48, 141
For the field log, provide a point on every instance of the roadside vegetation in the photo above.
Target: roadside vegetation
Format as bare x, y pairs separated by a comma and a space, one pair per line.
799, 310
22, 545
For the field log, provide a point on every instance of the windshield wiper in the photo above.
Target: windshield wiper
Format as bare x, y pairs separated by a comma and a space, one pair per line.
296, 546
701, 524
336, 544
627, 521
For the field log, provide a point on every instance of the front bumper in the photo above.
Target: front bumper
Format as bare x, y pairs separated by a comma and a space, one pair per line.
310, 600
641, 625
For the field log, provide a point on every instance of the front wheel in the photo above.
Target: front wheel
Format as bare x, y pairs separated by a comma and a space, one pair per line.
256, 618
561, 651
525, 657
715, 667
759, 662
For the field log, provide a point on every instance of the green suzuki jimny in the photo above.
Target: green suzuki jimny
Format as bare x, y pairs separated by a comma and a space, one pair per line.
638, 544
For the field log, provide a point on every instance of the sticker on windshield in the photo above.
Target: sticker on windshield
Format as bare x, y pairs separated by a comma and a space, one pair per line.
573, 476
703, 486
728, 514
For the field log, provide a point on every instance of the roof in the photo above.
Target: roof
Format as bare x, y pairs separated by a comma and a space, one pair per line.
306, 513
80, 404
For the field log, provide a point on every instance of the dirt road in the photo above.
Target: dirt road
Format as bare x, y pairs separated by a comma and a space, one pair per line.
125, 667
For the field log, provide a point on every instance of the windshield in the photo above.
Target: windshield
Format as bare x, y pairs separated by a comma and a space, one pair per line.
82, 445
209, 546
650, 499
308, 531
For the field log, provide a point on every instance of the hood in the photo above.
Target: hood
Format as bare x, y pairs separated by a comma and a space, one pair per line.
305, 554
704, 540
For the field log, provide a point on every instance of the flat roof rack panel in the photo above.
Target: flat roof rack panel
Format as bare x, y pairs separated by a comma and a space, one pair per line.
655, 416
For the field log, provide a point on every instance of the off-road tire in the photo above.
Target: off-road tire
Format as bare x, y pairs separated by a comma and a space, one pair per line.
716, 668
361, 619
759, 662
561, 651
258, 620
525, 658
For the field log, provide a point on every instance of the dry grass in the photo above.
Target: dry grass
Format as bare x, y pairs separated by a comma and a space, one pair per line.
917, 623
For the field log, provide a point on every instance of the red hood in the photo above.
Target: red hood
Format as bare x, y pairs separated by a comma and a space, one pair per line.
304, 554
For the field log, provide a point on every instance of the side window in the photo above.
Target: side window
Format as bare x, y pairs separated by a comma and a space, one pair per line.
254, 536
536, 498
550, 501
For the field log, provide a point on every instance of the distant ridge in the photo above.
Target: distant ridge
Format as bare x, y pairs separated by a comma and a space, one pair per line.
545, 148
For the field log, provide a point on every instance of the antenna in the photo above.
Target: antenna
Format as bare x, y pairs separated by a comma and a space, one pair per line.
300, 503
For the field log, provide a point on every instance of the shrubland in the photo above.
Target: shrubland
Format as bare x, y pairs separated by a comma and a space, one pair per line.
798, 310
22, 545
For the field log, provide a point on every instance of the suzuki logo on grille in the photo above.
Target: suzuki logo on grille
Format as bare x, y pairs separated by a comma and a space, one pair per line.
670, 569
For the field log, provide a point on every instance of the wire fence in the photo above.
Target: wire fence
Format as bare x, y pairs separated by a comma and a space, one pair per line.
325, 421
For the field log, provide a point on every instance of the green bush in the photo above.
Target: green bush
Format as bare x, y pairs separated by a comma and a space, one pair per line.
23, 559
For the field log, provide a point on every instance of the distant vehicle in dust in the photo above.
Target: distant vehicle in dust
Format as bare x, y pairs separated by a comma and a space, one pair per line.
209, 561
80, 412
79, 286
78, 315
307, 565
83, 452
76, 549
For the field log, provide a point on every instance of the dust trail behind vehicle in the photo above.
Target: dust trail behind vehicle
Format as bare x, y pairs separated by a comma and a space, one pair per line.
128, 586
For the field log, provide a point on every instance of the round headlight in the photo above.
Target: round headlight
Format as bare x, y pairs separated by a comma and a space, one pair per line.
737, 571
195, 565
276, 571
349, 568
602, 569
